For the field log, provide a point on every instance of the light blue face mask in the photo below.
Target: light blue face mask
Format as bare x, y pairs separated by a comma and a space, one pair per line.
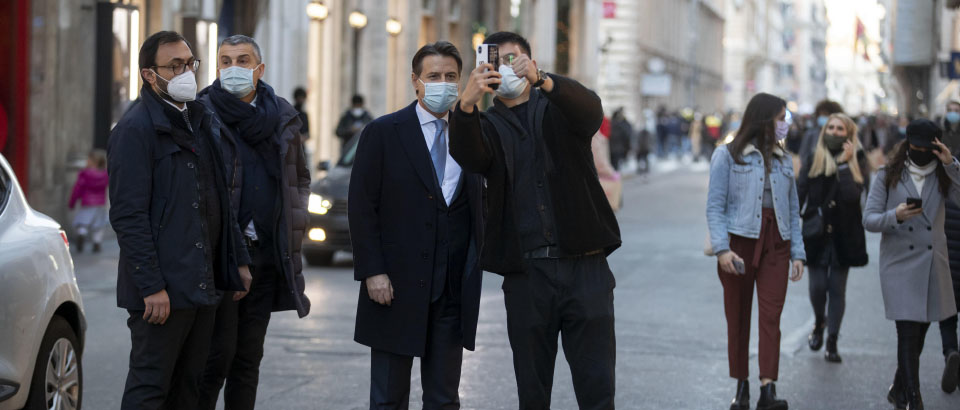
511, 86
953, 117
822, 120
439, 97
237, 80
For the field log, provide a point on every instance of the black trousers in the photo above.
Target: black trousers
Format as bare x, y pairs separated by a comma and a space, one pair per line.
166, 361
828, 281
948, 327
439, 367
910, 339
572, 298
237, 344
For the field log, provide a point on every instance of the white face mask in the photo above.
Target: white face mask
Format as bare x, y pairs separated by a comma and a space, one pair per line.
237, 80
181, 88
356, 112
439, 97
511, 86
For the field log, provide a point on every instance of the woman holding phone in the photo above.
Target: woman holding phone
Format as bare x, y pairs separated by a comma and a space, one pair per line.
829, 188
906, 205
754, 218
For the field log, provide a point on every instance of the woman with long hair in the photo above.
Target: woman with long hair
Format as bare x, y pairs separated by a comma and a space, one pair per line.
906, 205
829, 188
754, 218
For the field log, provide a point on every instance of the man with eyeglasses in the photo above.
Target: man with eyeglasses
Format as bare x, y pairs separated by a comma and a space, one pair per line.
415, 223
269, 185
179, 244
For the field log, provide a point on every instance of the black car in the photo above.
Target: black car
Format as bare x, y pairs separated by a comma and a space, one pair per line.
328, 230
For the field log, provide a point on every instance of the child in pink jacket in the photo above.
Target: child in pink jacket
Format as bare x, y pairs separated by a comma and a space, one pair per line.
91, 191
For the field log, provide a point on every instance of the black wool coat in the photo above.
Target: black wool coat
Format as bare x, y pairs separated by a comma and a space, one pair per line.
842, 215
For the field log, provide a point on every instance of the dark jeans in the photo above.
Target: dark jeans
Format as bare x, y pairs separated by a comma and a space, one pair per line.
910, 339
166, 361
572, 298
439, 367
829, 284
237, 345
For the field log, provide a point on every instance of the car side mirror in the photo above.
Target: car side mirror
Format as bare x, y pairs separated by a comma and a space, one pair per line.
323, 166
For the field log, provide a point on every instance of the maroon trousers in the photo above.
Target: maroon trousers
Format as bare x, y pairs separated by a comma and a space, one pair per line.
767, 261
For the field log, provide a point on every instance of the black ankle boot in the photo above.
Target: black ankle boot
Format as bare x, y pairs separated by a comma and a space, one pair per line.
79, 242
742, 400
815, 340
914, 401
897, 397
768, 399
832, 355
951, 371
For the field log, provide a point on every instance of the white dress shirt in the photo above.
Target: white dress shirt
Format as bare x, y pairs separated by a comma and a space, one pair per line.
451, 173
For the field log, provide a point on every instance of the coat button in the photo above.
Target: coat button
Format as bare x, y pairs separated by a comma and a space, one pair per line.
199, 245
423, 284
911, 247
190, 165
430, 197
203, 286
429, 225
424, 255
910, 229
929, 228
195, 205
929, 247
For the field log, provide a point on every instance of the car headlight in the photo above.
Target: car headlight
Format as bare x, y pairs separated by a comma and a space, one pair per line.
318, 204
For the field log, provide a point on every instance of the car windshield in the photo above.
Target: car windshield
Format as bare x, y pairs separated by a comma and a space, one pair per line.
346, 160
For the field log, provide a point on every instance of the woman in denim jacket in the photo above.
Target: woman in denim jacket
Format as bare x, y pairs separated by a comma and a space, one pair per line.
754, 219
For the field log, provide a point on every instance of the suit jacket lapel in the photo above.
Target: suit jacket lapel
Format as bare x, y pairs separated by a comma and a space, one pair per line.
415, 146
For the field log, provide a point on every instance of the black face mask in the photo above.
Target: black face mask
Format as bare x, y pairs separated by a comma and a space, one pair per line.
921, 158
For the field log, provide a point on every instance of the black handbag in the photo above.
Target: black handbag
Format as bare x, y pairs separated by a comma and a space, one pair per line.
814, 225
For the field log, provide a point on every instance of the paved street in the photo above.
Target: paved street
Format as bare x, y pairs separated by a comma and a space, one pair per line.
670, 330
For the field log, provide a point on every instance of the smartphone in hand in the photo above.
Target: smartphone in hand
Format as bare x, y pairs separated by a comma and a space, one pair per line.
489, 54
916, 203
739, 266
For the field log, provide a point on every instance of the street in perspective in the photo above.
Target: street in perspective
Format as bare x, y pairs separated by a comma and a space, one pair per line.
490, 204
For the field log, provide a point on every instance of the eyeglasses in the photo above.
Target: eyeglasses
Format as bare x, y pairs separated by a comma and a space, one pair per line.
178, 69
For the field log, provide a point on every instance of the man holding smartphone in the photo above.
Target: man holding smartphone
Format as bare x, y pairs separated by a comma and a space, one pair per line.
549, 226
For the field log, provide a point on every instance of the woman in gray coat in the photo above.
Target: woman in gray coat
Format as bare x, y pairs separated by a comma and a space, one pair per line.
906, 205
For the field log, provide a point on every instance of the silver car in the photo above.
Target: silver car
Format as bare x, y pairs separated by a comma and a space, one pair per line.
41, 317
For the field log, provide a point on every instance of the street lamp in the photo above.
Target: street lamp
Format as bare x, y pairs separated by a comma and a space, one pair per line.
358, 21
394, 27
317, 11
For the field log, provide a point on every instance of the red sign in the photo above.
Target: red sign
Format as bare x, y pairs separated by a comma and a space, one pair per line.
609, 9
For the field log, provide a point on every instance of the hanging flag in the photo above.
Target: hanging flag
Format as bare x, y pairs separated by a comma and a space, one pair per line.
861, 37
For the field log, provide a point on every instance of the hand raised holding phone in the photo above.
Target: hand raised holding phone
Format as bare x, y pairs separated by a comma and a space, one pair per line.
484, 79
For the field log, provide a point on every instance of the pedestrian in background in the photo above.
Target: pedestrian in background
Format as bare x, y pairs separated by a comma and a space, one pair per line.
353, 120
299, 100
754, 218
269, 187
178, 239
416, 221
822, 111
829, 187
91, 191
948, 327
914, 267
550, 227
620, 134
